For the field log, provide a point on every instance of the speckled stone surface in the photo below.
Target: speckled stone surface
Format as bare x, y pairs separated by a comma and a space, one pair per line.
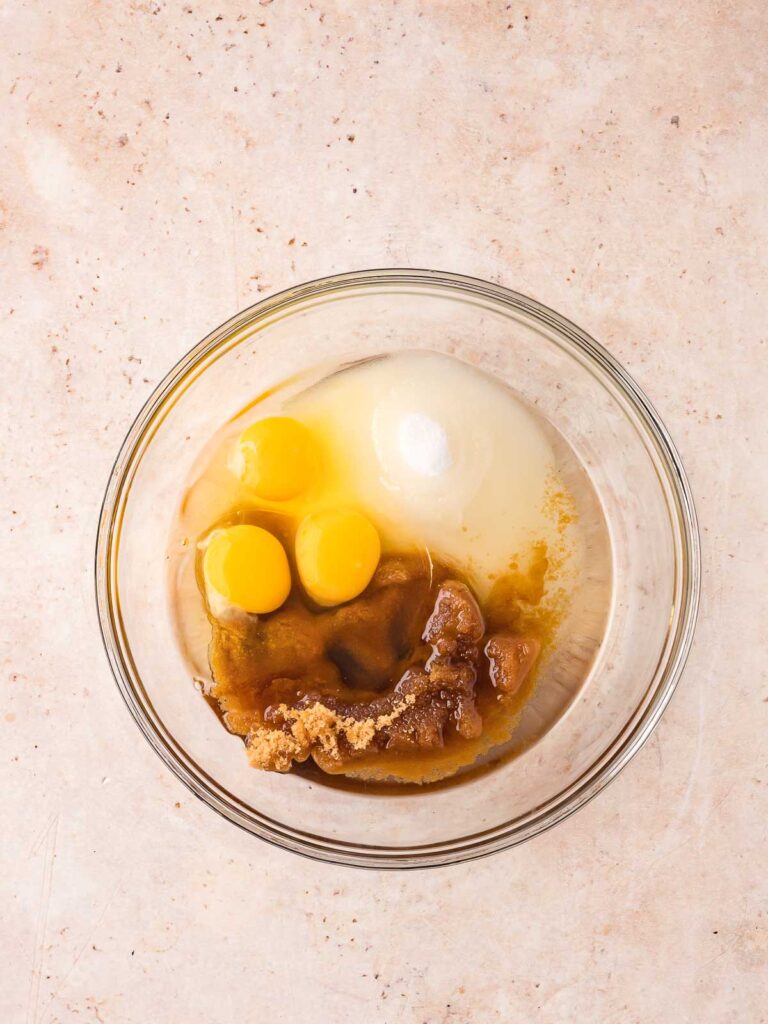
165, 164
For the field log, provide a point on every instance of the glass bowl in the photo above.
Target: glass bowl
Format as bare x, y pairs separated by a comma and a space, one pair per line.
583, 393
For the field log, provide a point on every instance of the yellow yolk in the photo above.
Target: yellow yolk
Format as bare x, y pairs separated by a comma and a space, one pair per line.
337, 552
247, 566
276, 458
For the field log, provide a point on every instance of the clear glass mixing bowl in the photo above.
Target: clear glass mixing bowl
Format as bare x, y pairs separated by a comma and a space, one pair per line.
581, 390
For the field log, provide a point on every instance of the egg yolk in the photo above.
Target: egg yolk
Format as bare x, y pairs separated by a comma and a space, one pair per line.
248, 567
337, 552
277, 458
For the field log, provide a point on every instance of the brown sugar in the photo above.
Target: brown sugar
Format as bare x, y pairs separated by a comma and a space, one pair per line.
401, 671
314, 726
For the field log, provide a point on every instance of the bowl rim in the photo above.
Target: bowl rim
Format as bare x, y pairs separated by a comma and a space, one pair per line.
565, 803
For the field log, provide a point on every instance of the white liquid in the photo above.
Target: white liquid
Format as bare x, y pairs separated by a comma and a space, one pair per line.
438, 454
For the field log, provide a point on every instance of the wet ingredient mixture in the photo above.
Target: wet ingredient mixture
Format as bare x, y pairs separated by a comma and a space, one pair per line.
381, 568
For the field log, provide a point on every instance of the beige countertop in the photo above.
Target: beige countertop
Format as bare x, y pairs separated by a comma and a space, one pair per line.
166, 164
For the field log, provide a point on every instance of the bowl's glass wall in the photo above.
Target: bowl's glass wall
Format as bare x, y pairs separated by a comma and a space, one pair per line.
577, 393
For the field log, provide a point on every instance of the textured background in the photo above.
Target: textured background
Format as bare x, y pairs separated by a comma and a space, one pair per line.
165, 164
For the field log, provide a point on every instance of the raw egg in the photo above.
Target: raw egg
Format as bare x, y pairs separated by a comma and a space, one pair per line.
246, 566
276, 458
337, 551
